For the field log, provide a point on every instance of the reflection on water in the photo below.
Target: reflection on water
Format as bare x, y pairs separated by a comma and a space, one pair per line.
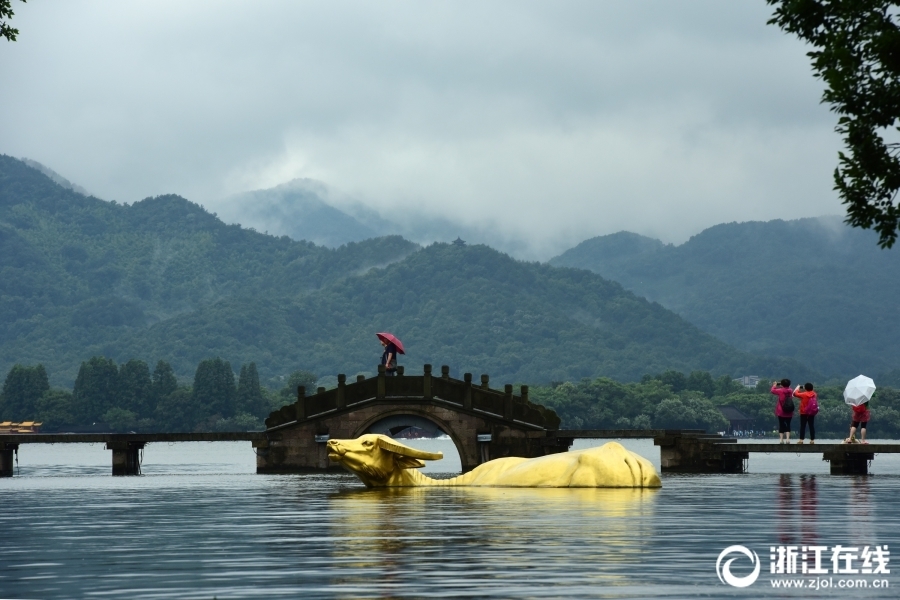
502, 530
860, 510
785, 510
208, 526
808, 504
797, 509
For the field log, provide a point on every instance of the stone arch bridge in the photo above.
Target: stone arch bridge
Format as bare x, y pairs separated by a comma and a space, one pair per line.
483, 423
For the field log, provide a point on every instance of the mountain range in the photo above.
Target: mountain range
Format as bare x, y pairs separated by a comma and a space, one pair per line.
814, 290
165, 279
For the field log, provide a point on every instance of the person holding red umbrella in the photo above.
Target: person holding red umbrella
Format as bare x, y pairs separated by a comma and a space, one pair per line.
392, 347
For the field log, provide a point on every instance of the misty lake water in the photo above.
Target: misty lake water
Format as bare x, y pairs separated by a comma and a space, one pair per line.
199, 523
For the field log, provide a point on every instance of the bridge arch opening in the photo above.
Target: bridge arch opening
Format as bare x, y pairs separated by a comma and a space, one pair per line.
423, 433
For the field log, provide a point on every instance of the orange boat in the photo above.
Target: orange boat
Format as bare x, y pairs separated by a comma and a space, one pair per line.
23, 427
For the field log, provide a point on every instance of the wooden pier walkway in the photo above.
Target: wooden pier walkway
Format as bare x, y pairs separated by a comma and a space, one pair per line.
681, 450
125, 447
102, 438
845, 459
694, 451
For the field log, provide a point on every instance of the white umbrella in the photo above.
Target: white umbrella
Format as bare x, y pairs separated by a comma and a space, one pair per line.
859, 390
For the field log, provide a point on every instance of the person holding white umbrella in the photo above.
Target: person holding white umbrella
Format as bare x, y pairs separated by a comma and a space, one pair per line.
857, 394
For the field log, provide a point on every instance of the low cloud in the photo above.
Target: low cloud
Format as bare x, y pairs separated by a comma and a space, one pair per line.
544, 122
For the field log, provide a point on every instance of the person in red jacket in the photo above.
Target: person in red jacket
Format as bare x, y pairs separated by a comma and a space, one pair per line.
809, 407
860, 420
783, 391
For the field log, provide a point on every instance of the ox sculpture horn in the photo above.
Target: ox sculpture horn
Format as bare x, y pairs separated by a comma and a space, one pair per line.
380, 461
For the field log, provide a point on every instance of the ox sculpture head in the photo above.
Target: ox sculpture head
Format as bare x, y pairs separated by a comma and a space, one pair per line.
377, 459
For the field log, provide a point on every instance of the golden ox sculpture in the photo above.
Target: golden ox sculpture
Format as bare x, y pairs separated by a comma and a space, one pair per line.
380, 461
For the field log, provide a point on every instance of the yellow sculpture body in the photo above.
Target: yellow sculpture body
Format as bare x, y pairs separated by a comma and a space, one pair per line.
380, 461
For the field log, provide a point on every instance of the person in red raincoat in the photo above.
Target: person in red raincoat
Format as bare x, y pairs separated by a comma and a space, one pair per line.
783, 391
861, 417
809, 407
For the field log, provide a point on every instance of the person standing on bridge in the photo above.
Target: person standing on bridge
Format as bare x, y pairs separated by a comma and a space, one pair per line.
809, 407
784, 408
392, 347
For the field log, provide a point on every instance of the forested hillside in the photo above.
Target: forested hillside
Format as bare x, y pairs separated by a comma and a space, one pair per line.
165, 280
812, 289
472, 308
78, 273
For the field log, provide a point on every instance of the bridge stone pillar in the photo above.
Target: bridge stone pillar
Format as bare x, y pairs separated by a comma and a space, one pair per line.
426, 383
125, 457
849, 463
381, 385
301, 403
7, 458
696, 453
467, 397
341, 398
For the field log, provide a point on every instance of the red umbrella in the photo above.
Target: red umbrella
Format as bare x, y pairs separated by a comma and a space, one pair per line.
390, 338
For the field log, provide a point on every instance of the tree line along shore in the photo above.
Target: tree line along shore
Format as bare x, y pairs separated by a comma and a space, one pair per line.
132, 397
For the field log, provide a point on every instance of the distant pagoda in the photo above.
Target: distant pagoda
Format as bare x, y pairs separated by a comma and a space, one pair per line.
459, 242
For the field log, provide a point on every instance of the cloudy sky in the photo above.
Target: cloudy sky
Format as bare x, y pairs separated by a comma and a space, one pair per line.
552, 121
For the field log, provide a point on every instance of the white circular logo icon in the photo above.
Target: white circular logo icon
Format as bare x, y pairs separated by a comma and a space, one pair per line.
724, 571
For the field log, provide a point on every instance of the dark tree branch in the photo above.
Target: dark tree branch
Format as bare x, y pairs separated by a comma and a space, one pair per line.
856, 52
6, 13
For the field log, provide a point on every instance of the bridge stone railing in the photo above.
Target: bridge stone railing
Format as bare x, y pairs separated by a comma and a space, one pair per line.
463, 394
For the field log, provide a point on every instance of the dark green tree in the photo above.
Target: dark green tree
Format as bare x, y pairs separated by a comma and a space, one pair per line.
6, 12
298, 378
21, 390
701, 381
690, 411
856, 52
250, 398
135, 388
214, 388
674, 379
164, 381
726, 385
96, 389
55, 409
120, 419
178, 411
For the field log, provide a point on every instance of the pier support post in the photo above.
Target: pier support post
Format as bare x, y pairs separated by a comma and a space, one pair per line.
7, 458
849, 463
695, 453
125, 457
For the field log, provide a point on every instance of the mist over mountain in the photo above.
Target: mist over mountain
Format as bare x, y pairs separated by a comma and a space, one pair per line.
165, 279
814, 290
305, 209
56, 177
298, 210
